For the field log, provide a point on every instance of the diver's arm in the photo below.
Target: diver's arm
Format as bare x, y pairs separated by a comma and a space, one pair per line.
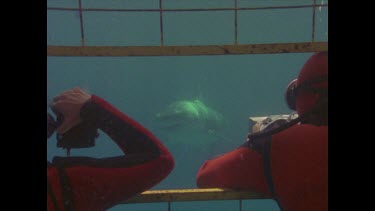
128, 134
134, 140
100, 183
239, 169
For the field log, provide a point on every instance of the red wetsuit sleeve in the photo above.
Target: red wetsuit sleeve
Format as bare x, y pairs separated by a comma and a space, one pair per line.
239, 169
98, 184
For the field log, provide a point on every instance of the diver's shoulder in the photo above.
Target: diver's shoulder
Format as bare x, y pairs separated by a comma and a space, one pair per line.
308, 128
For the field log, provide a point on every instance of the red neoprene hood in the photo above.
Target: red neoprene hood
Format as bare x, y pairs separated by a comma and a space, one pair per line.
315, 67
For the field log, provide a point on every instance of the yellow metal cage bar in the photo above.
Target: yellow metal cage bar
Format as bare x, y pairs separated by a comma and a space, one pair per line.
186, 50
179, 195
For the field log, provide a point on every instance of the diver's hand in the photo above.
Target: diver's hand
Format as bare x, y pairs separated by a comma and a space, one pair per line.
69, 104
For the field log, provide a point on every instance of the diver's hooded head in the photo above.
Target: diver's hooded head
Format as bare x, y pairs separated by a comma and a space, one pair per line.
310, 88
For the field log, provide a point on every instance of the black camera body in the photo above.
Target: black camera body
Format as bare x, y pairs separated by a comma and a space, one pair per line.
82, 135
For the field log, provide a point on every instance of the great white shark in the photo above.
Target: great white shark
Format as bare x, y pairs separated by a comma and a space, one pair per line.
193, 132
193, 115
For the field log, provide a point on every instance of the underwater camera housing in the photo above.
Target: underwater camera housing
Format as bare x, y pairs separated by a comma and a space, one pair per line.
81, 136
267, 123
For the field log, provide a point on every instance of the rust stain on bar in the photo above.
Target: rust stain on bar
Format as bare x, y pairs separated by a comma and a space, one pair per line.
111, 51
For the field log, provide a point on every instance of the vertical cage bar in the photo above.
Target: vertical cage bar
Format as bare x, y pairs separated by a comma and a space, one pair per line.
169, 206
235, 23
161, 23
240, 205
313, 21
81, 23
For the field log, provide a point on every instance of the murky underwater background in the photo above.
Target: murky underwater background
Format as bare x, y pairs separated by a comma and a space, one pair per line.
236, 86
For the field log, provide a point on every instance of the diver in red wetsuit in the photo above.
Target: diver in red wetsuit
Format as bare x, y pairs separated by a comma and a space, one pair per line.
96, 184
290, 162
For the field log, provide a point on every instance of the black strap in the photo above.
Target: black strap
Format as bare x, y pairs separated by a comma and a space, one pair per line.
52, 195
266, 155
66, 189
